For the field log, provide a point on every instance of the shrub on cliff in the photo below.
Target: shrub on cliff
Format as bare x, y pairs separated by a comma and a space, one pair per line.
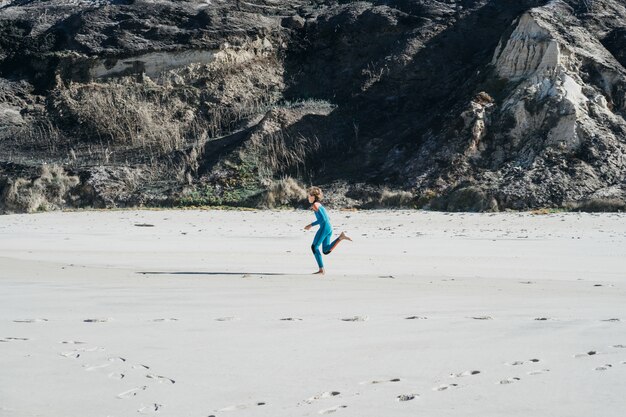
46, 192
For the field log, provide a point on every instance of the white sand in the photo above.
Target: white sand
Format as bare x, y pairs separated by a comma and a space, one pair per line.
186, 316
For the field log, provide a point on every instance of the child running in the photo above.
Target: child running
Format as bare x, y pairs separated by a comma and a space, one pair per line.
325, 232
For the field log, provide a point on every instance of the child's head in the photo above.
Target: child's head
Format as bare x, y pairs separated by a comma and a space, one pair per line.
315, 194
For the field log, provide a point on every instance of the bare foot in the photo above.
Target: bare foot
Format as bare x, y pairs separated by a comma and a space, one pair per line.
343, 236
320, 272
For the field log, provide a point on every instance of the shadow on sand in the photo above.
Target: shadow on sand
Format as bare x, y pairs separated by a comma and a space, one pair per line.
209, 273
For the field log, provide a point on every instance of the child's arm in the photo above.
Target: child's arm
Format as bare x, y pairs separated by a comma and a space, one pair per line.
320, 215
316, 222
316, 208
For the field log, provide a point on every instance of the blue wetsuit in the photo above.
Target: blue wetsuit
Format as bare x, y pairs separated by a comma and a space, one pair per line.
323, 235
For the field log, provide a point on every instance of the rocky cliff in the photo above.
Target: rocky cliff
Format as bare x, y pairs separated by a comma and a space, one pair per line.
450, 105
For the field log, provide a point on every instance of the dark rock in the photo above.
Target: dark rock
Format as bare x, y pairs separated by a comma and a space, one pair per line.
472, 199
293, 22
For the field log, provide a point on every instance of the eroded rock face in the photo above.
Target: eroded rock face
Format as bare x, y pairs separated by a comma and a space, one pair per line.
529, 50
454, 105
567, 99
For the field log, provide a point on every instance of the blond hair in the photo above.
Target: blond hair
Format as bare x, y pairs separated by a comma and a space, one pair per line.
316, 192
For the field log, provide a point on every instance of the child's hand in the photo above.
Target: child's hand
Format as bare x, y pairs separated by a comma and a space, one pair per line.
307, 227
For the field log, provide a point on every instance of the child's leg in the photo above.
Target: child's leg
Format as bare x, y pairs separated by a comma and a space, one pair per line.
328, 247
317, 241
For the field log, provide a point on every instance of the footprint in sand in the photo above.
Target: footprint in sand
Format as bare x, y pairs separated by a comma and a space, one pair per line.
482, 318
161, 379
619, 346
517, 363
117, 375
465, 373
407, 397
509, 380
91, 349
380, 382
416, 318
445, 387
99, 320
72, 342
603, 367
227, 319
96, 367
327, 394
76, 353
356, 318
150, 409
543, 318
240, 407
332, 409
132, 392
291, 319
140, 366
538, 372
162, 320
117, 359
14, 339
612, 320
590, 353
30, 321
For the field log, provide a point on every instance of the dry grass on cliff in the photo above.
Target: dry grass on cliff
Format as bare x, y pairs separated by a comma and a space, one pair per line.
282, 146
284, 192
131, 115
598, 205
46, 192
239, 84
283, 153
161, 119
122, 119
41, 132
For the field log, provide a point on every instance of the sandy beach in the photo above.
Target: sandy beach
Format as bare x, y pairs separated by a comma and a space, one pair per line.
216, 313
